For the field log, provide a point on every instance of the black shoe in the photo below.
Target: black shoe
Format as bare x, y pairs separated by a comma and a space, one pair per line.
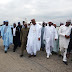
65, 62
21, 55
8, 47
5, 51
54, 53
30, 56
13, 50
34, 55
60, 56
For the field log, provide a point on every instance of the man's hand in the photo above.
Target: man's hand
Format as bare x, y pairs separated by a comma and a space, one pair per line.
67, 36
39, 39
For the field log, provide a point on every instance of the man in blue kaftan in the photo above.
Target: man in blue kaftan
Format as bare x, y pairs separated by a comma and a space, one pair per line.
7, 36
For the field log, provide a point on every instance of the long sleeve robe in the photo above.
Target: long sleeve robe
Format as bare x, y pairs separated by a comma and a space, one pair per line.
63, 42
33, 44
7, 36
53, 34
47, 37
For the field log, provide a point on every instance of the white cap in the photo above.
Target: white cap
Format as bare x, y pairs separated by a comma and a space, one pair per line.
6, 21
68, 21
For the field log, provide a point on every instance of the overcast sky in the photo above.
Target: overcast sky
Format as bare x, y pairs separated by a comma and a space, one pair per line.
36, 8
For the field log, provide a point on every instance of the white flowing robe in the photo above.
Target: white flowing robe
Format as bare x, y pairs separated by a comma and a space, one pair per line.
63, 42
33, 44
7, 36
46, 37
53, 34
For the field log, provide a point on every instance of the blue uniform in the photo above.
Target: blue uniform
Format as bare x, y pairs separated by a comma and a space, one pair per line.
7, 36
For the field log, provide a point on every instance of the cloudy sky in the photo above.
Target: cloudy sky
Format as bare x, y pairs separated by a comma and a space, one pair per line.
38, 9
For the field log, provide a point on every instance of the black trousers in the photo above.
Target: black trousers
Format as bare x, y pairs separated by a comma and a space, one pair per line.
15, 42
18, 40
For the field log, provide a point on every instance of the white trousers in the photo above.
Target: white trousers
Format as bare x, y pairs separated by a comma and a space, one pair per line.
6, 48
47, 46
33, 53
63, 53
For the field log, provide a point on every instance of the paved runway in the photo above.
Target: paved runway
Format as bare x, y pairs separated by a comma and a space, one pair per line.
11, 62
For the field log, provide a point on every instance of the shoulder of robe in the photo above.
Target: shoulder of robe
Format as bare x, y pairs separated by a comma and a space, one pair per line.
62, 26
46, 28
70, 27
9, 26
31, 26
52, 26
39, 26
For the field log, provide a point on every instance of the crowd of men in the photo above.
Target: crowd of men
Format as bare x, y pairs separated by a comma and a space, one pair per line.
34, 37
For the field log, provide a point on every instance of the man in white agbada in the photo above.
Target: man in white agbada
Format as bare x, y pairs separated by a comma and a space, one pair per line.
34, 37
53, 35
64, 38
46, 38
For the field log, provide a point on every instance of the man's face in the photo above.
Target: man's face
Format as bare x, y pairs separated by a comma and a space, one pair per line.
25, 25
6, 23
14, 25
68, 23
33, 22
61, 24
50, 24
18, 24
